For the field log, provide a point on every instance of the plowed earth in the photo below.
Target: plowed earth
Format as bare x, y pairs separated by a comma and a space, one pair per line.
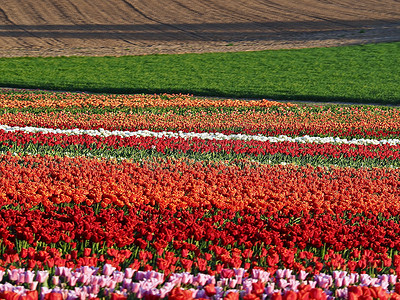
136, 27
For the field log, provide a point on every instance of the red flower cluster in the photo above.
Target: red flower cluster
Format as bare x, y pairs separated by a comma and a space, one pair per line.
163, 241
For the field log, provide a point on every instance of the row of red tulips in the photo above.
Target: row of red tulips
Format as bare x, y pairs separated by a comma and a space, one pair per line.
197, 145
199, 238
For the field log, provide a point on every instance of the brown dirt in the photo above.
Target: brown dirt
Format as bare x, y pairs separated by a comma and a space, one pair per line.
135, 27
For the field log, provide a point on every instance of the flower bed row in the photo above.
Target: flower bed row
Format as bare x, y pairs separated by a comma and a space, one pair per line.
351, 122
203, 135
33, 180
198, 148
18, 99
228, 284
199, 239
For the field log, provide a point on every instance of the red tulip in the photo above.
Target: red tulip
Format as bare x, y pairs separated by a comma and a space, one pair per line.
53, 296
210, 290
232, 296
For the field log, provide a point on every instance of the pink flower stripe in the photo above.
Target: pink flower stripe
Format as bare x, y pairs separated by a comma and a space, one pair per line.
91, 283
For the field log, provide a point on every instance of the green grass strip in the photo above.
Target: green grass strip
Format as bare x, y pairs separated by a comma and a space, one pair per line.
365, 73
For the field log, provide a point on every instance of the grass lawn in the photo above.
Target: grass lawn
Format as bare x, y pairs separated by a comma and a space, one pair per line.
365, 73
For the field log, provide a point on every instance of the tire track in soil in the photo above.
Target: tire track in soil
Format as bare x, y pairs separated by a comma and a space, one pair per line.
152, 19
76, 27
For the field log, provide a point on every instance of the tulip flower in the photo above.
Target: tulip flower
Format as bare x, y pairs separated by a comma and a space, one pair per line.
42, 276
129, 273
210, 290
108, 269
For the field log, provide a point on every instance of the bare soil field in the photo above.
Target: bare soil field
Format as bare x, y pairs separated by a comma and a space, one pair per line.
137, 27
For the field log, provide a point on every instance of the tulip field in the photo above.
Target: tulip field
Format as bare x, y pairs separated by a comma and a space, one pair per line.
175, 197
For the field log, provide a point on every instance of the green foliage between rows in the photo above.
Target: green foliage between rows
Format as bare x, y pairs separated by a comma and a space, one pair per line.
364, 73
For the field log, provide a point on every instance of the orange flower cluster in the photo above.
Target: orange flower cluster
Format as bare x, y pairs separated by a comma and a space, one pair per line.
346, 123
33, 180
63, 100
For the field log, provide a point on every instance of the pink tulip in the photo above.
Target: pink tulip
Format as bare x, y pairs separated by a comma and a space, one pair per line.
140, 275
339, 274
33, 285
108, 269
135, 286
21, 278
354, 278
94, 279
13, 274
72, 281
339, 282
160, 277
341, 293
263, 276
392, 279
95, 289
270, 289
312, 283
55, 280
42, 276
89, 270
103, 281
282, 283
140, 294
365, 279
85, 279
255, 273
202, 279
118, 276
129, 273
293, 284
232, 283
111, 284
280, 273
324, 281
287, 273
29, 276
347, 281
164, 292
303, 275
187, 278
239, 271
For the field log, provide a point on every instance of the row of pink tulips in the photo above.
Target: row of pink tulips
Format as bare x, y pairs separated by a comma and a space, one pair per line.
88, 283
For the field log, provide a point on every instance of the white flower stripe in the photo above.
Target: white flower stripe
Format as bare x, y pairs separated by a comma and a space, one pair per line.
203, 135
